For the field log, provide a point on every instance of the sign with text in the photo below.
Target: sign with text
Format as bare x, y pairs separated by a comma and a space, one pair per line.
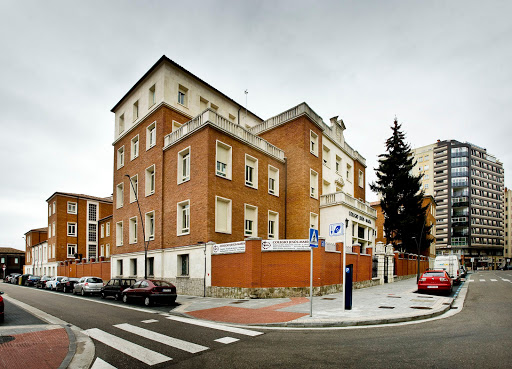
285, 245
229, 248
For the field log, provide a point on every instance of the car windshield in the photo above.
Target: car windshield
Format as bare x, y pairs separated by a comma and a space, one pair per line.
434, 274
94, 280
161, 283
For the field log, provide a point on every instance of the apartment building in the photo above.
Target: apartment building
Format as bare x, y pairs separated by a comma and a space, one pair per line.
469, 191
203, 170
508, 226
35, 244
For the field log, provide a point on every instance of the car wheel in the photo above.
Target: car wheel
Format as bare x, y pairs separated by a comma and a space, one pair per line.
172, 301
125, 298
83, 292
116, 297
147, 301
103, 295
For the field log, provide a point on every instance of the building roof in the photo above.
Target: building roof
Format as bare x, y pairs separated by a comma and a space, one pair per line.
81, 196
165, 59
10, 250
43, 229
105, 218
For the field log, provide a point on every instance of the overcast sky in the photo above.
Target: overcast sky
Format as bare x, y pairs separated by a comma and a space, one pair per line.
443, 68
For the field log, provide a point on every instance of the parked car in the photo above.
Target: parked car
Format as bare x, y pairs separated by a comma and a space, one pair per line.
1, 307
115, 286
88, 285
435, 280
52, 283
450, 263
67, 284
505, 267
32, 280
42, 282
9, 277
151, 291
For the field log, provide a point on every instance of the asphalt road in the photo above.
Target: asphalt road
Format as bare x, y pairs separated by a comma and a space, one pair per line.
480, 336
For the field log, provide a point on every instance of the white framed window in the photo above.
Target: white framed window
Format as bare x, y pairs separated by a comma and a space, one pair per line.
183, 218
54, 207
326, 156
338, 164
92, 212
251, 171
134, 152
133, 268
120, 267
108, 229
50, 231
223, 160
102, 250
92, 232
150, 180
273, 180
426, 167
361, 179
71, 207
49, 210
313, 143
349, 173
53, 229
273, 225
107, 250
53, 251
184, 165
152, 96
151, 135
250, 221
121, 124
134, 188
150, 226
119, 195
120, 157
135, 110
93, 251
71, 229
313, 220
102, 231
119, 233
313, 184
222, 215
182, 95
183, 265
175, 125
71, 250
133, 230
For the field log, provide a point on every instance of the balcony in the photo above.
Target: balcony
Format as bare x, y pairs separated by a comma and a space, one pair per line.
458, 202
341, 198
459, 221
209, 117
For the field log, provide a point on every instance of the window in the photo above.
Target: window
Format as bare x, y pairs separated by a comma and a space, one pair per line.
349, 173
273, 225
152, 96
150, 226
150, 180
120, 267
107, 250
223, 158
361, 179
50, 231
119, 195
121, 124
183, 263
313, 184
251, 221
133, 230
326, 156
135, 110
54, 207
313, 220
2, 260
135, 148
119, 234
71, 207
134, 188
93, 251
338, 164
313, 143
273, 180
184, 165
92, 233
183, 218
102, 250
251, 171
222, 215
175, 125
426, 167
93, 212
182, 95
120, 157
102, 231
49, 210
133, 267
151, 136
151, 266
203, 104
72, 229
53, 229
16, 260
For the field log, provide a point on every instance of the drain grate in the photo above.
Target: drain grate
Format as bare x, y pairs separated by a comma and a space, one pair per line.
5, 339
238, 302
328, 298
386, 307
421, 307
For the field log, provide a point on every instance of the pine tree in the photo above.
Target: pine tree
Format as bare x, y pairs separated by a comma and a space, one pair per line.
401, 195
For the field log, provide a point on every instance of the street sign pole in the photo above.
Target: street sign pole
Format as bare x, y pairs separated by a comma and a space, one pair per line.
311, 285
344, 263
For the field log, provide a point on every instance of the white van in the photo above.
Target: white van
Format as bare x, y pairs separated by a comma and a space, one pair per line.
450, 263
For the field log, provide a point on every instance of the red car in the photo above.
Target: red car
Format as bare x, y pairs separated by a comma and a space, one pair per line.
151, 291
1, 307
435, 280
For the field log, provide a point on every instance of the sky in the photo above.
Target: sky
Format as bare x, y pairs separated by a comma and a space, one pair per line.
441, 67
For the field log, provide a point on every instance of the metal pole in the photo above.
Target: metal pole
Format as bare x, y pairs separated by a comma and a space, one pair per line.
344, 263
311, 284
143, 231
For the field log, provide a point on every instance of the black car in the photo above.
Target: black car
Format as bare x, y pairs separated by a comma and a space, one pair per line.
32, 280
66, 284
42, 282
115, 286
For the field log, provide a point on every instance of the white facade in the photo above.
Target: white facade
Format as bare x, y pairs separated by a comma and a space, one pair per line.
40, 265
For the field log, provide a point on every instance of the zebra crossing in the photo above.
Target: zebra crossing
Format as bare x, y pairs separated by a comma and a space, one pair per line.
152, 357
482, 278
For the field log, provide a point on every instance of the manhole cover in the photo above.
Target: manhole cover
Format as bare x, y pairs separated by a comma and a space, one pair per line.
386, 307
5, 339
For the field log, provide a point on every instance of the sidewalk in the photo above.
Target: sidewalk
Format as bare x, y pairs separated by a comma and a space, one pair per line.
384, 304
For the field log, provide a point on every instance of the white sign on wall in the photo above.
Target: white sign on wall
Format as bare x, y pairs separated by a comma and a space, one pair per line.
285, 245
229, 248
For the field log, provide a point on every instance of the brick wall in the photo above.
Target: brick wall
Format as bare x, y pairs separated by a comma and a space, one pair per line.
82, 269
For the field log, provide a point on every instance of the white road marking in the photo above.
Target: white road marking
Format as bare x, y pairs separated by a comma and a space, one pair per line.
494, 280
162, 338
150, 321
137, 352
470, 280
227, 340
505, 280
482, 280
100, 364
220, 327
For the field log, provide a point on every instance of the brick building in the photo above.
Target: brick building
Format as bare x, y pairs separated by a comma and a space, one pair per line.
206, 171
11, 261
36, 240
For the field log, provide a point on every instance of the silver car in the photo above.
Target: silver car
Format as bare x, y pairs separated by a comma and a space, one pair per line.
88, 285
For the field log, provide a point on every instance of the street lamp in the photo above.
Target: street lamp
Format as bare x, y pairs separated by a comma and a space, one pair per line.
146, 243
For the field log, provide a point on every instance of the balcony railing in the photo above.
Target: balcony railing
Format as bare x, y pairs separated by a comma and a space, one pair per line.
337, 198
214, 119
